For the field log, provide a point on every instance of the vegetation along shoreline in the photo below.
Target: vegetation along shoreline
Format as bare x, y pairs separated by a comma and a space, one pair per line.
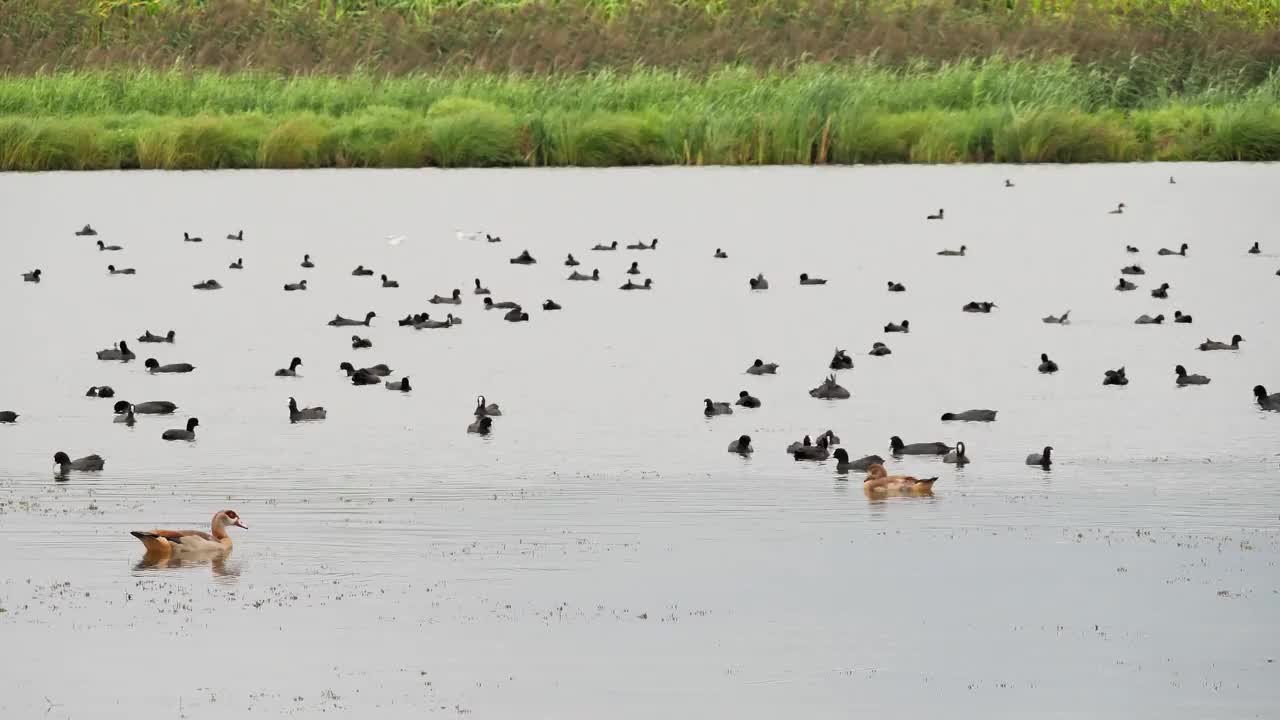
410, 83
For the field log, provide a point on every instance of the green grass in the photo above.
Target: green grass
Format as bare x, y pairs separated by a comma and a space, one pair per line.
992, 111
1173, 41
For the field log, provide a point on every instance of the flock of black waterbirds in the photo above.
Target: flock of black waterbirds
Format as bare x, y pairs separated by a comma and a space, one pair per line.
808, 448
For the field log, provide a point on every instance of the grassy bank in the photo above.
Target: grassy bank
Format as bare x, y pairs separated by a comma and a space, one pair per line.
1173, 39
996, 111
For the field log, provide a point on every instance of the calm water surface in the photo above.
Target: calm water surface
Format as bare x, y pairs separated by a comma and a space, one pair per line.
601, 555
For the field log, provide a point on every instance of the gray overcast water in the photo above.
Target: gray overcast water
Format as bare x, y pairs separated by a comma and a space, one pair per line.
601, 554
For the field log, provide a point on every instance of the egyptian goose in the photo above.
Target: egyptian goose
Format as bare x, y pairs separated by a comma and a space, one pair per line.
879, 482
174, 542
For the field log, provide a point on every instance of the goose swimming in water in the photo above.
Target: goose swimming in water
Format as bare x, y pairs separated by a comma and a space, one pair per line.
112, 270
306, 262
489, 304
1265, 401
879, 350
339, 321
492, 238
880, 483
361, 271
1118, 211
840, 361
1179, 317
237, 235
86, 231
88, 463
575, 275
1182, 251
897, 287
648, 285
653, 245
292, 370
1130, 249
843, 463
297, 414
978, 307
149, 337
480, 289
401, 385
151, 407
1161, 292
720, 254
484, 408
601, 248
188, 435
188, 238
971, 416
1132, 270
1215, 345
359, 343
524, 258
760, 367
455, 298
481, 426
897, 447
33, 276
1043, 458
237, 265
209, 284
515, 315
388, 283
741, 446
1115, 377
746, 400
759, 283
1184, 379
103, 247
905, 326
829, 390
1047, 366
1255, 250
806, 280
1145, 319
185, 543
1125, 285
1060, 320
936, 216
571, 261
290, 287
711, 409
634, 269
1008, 182
120, 352
954, 253
551, 305
155, 367
101, 391
957, 456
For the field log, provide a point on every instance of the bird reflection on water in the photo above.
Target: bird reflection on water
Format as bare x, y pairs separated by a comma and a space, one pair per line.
219, 563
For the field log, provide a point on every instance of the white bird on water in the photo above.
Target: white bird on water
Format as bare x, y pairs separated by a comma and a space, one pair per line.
394, 240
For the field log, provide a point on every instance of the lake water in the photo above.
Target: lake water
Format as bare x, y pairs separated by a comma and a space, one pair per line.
600, 554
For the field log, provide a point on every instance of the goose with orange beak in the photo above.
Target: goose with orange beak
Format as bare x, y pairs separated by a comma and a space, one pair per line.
879, 482
192, 542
